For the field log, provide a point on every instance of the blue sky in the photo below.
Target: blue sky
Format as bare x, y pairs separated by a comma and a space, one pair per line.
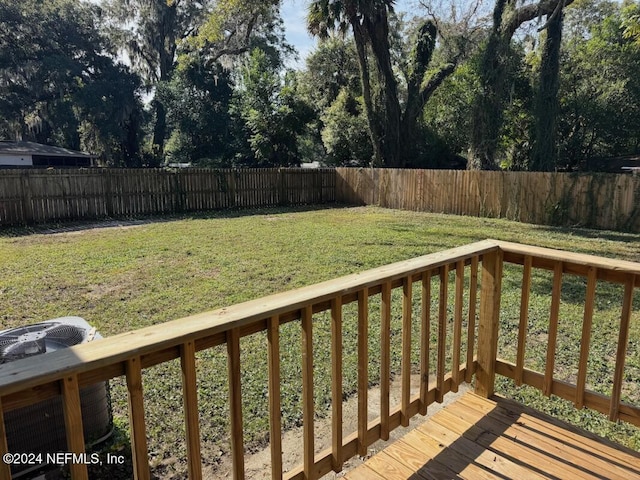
294, 14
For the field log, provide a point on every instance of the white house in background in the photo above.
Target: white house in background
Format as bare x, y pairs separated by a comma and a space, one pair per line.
311, 165
30, 154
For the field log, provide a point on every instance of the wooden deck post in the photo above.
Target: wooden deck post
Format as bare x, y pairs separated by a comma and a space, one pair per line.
488, 322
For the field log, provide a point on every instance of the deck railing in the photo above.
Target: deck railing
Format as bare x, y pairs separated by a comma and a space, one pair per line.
595, 270
458, 358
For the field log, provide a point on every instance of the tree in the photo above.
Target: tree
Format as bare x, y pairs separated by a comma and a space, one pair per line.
545, 148
488, 108
600, 88
344, 133
149, 32
447, 114
332, 71
111, 117
269, 115
392, 129
329, 15
58, 84
330, 68
631, 21
198, 99
235, 27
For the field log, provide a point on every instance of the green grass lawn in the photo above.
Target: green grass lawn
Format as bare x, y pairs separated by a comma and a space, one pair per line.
120, 279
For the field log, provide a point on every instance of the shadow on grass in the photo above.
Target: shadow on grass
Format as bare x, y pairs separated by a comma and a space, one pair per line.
590, 233
132, 221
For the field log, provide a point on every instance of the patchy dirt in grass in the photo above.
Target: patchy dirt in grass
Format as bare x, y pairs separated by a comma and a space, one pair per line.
258, 465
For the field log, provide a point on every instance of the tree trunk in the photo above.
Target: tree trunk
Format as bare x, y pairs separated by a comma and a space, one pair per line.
488, 107
487, 114
378, 31
166, 49
372, 121
545, 152
419, 92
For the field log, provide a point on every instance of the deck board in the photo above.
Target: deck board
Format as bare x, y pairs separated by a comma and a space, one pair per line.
478, 438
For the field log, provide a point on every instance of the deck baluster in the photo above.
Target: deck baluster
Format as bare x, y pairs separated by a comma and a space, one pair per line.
235, 403
556, 292
336, 386
471, 327
442, 331
385, 359
307, 391
363, 370
457, 326
425, 340
191, 417
623, 340
137, 421
73, 424
275, 411
524, 318
5, 469
407, 305
586, 336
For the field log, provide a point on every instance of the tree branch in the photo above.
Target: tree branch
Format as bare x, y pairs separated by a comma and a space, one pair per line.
554, 15
529, 12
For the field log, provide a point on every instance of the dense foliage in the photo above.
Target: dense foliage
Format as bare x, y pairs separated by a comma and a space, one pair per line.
535, 86
59, 85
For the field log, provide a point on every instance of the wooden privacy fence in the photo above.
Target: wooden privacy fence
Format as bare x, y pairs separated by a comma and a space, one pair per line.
604, 201
594, 200
32, 196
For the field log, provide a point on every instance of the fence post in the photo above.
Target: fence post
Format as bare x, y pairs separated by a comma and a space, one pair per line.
26, 201
178, 194
488, 322
282, 193
108, 195
232, 187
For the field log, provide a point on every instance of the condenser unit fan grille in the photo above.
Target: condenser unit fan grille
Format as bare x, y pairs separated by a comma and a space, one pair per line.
39, 428
40, 338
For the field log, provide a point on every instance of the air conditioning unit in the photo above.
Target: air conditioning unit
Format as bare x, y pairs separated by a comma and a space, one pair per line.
39, 428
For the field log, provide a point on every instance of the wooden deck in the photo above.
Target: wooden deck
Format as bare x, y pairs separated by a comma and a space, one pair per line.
475, 438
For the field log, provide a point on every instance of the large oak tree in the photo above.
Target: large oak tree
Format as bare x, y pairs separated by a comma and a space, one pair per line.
392, 128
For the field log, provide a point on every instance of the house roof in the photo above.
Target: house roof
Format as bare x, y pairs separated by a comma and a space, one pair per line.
623, 163
8, 147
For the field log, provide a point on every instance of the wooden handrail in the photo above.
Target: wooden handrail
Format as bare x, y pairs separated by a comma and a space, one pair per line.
609, 269
28, 381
